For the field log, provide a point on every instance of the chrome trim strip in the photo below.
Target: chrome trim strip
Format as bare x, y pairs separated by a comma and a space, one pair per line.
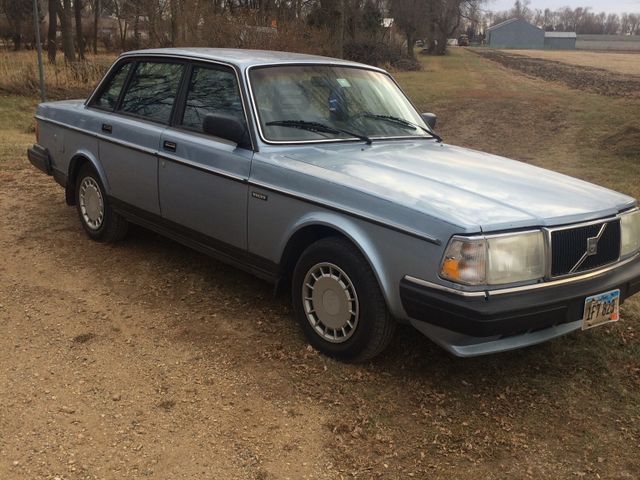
200, 166
106, 138
553, 283
129, 145
347, 211
585, 224
495, 235
436, 286
523, 288
65, 125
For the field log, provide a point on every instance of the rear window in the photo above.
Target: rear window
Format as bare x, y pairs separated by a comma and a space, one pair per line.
152, 90
108, 97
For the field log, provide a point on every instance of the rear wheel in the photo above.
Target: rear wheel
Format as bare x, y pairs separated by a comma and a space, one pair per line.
96, 215
338, 302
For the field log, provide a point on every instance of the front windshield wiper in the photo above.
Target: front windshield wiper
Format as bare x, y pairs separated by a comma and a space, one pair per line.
318, 127
403, 122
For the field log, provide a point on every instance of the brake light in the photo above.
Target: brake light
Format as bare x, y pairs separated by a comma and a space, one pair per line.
37, 131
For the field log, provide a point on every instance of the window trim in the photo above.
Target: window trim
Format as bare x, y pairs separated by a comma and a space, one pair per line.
191, 59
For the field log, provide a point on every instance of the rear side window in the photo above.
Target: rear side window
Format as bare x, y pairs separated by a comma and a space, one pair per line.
152, 90
211, 90
111, 91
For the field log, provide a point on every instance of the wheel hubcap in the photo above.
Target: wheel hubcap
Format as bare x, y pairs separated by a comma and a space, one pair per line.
330, 302
91, 203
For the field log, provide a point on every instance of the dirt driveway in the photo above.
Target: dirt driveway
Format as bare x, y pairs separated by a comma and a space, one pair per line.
147, 360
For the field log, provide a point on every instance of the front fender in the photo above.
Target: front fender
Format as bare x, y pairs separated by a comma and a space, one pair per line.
360, 234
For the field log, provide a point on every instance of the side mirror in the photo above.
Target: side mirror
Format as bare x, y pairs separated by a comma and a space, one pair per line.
430, 119
225, 126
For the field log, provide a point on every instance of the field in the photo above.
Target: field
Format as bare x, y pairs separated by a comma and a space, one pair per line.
591, 79
147, 360
625, 63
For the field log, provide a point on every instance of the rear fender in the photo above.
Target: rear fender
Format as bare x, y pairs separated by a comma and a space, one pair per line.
81, 157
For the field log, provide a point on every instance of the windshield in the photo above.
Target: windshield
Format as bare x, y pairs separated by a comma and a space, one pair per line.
323, 102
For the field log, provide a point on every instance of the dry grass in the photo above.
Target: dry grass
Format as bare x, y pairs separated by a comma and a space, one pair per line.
19, 74
627, 63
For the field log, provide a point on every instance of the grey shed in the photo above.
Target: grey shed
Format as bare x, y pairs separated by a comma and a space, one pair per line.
515, 33
560, 40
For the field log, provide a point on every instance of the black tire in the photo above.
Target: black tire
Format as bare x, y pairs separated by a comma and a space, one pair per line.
113, 226
374, 327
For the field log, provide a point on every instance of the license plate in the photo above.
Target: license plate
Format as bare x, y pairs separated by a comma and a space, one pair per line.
601, 308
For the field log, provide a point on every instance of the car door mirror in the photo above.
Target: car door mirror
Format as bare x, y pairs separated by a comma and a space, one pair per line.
225, 126
430, 119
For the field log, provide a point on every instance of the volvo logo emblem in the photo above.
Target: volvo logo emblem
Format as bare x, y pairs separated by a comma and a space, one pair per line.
592, 245
592, 248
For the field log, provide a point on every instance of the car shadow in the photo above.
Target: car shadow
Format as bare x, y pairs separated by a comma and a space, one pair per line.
410, 355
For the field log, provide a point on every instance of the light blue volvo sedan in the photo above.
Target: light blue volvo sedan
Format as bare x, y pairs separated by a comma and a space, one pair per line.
320, 175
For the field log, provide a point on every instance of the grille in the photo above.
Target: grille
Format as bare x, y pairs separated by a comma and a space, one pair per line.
568, 247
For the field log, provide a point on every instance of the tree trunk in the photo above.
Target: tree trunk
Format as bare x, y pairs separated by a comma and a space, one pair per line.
136, 31
17, 36
67, 35
174, 21
96, 18
52, 45
77, 7
411, 41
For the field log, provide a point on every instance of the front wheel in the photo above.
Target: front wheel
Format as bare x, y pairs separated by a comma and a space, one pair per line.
96, 215
338, 302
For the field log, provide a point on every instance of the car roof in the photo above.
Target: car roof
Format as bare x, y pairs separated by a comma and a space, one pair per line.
244, 58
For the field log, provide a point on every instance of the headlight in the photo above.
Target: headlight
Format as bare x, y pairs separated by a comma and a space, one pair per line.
495, 260
630, 233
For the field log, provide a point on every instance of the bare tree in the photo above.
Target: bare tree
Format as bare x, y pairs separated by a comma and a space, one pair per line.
119, 9
17, 13
52, 33
410, 17
67, 34
77, 8
97, 7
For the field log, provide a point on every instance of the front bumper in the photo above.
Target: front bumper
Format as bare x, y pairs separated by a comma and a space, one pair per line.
40, 158
470, 326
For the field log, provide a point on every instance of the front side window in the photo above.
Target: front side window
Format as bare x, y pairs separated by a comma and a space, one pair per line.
335, 100
152, 90
110, 93
211, 90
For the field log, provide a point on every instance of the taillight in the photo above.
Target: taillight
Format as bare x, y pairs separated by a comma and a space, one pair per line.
37, 131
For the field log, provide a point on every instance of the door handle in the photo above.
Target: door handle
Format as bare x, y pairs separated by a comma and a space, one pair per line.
171, 146
107, 128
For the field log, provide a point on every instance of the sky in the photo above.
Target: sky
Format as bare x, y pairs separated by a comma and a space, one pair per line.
609, 6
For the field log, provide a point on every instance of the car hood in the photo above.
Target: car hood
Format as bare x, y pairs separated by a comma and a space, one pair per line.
471, 189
